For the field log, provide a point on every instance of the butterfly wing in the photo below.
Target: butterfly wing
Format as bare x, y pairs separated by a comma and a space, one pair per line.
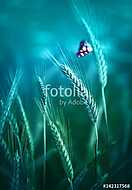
84, 49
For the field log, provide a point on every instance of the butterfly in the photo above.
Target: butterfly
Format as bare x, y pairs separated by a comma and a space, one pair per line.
84, 49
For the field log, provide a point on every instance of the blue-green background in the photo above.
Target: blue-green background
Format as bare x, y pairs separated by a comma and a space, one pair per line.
27, 29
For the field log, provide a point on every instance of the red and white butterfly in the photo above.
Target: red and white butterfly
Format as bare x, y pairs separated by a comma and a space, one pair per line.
84, 49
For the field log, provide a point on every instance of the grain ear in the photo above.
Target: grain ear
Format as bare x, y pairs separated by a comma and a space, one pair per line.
100, 59
83, 92
26, 129
9, 101
60, 145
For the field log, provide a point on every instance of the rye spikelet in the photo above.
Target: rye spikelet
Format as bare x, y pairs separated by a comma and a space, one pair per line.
57, 137
62, 150
102, 65
15, 130
85, 96
27, 127
101, 62
9, 101
42, 108
83, 92
43, 98
3, 144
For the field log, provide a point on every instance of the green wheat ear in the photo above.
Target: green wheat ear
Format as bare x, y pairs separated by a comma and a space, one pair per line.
101, 62
9, 101
14, 131
42, 105
3, 144
26, 127
56, 136
102, 69
83, 92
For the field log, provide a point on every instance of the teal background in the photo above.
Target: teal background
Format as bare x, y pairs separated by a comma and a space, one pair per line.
27, 30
